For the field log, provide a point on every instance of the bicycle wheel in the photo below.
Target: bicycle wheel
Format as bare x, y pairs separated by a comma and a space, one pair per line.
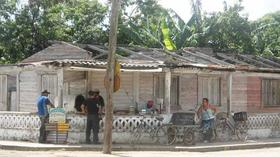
136, 135
189, 137
153, 134
171, 135
241, 130
161, 135
223, 131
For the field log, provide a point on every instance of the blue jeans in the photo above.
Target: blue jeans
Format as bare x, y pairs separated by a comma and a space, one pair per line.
208, 126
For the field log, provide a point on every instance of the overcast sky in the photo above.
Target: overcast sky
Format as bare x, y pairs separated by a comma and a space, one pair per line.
253, 8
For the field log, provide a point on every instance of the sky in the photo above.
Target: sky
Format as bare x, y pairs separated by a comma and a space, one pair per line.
253, 8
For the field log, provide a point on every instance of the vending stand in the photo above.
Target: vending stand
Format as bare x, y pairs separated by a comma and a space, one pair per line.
57, 127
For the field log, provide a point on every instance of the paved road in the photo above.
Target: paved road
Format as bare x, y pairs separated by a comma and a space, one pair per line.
268, 152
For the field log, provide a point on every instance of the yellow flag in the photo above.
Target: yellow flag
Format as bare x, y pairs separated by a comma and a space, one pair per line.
117, 76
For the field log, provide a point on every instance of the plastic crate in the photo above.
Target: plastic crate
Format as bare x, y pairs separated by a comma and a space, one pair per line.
183, 118
57, 132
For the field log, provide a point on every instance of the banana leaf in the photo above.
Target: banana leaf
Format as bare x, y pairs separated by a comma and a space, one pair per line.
169, 44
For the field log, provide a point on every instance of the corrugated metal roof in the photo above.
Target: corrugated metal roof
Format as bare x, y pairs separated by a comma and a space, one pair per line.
102, 64
59, 50
65, 54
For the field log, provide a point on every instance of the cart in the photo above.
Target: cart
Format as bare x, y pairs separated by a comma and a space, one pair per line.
180, 128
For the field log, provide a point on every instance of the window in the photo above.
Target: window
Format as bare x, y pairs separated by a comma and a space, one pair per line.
159, 82
271, 92
209, 87
174, 98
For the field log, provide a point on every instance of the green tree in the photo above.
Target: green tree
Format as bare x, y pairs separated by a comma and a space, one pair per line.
229, 30
139, 23
7, 8
27, 30
151, 25
266, 34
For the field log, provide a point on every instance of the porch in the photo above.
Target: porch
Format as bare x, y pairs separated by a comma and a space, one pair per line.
21, 126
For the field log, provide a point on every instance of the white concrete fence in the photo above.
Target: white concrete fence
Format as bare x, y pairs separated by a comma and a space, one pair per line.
25, 126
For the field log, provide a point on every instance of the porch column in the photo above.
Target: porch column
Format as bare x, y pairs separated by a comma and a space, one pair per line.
60, 87
229, 95
136, 82
167, 91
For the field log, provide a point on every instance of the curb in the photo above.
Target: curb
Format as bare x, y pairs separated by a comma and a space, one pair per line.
146, 147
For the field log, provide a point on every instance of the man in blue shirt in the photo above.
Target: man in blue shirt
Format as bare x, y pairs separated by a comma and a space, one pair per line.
42, 103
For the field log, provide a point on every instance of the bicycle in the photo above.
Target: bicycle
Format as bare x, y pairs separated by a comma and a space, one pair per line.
228, 126
181, 128
165, 134
143, 128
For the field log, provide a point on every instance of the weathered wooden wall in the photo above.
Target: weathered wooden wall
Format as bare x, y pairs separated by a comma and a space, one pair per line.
123, 98
146, 87
140, 87
74, 83
239, 93
253, 94
188, 92
31, 83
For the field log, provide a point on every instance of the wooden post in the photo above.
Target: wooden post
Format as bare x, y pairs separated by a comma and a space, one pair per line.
107, 146
229, 82
136, 89
60, 87
167, 91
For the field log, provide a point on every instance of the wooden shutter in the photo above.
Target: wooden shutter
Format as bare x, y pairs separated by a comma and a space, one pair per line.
174, 98
159, 86
209, 87
49, 82
270, 92
3, 92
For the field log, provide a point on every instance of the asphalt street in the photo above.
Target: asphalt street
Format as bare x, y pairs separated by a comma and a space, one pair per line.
267, 152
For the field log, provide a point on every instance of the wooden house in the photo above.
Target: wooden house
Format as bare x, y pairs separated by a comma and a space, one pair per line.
233, 82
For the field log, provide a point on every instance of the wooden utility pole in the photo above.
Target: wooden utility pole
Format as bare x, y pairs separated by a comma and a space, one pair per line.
107, 146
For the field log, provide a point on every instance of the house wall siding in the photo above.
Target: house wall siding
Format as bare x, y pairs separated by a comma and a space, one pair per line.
146, 87
29, 91
253, 93
188, 92
239, 93
122, 98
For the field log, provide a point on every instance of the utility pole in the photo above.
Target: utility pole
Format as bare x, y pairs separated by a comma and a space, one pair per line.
107, 146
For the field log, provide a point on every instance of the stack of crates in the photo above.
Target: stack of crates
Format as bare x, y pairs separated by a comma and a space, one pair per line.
57, 133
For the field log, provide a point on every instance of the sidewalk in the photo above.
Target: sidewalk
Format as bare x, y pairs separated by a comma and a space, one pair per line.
205, 147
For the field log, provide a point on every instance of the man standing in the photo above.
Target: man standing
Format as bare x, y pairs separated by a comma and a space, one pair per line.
43, 113
93, 106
